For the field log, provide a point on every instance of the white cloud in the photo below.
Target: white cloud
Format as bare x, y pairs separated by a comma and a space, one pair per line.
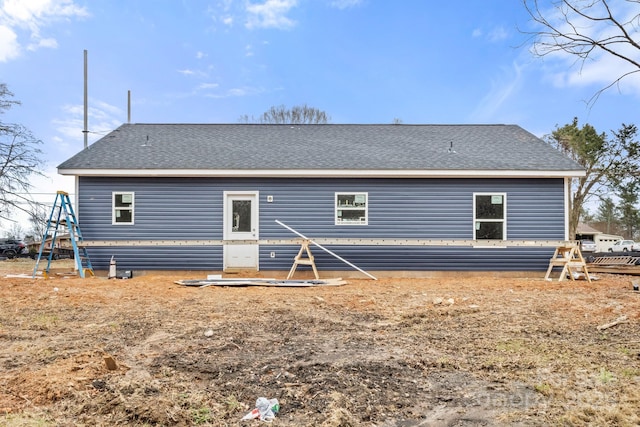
497, 34
208, 86
235, 92
38, 11
494, 34
239, 91
9, 46
345, 4
21, 18
224, 12
502, 89
270, 14
46, 186
103, 118
101, 110
188, 72
200, 55
601, 73
47, 43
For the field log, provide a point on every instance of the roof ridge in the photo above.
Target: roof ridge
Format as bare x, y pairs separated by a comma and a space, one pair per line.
327, 124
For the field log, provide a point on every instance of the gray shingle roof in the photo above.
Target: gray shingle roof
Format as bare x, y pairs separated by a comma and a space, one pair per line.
319, 147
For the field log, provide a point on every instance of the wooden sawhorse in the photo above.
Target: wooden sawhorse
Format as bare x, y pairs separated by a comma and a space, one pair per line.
301, 260
569, 258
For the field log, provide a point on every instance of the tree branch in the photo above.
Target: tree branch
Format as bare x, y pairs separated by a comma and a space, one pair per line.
566, 32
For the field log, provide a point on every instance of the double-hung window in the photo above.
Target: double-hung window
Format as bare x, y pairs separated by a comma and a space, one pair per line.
123, 205
490, 216
351, 209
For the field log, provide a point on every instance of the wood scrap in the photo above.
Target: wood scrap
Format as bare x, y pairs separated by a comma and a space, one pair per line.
619, 320
110, 362
22, 276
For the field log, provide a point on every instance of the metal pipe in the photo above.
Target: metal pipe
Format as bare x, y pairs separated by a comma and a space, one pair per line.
86, 103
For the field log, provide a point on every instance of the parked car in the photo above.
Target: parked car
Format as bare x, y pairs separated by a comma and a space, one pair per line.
624, 246
588, 246
11, 248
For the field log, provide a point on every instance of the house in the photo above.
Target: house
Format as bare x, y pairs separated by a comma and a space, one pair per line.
167, 196
602, 240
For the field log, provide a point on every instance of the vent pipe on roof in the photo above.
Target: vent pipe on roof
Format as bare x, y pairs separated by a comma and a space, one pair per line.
451, 150
128, 106
86, 104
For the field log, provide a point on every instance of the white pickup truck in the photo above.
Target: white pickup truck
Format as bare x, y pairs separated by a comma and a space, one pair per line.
625, 246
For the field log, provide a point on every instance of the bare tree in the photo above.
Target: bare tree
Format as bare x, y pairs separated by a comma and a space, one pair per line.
298, 115
19, 160
587, 28
15, 232
38, 218
5, 98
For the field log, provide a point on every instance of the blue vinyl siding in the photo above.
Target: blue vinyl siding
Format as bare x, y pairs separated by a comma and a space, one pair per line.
191, 208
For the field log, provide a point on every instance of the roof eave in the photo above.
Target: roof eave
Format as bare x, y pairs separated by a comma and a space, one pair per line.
324, 173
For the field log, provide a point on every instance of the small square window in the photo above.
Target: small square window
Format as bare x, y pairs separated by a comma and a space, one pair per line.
351, 209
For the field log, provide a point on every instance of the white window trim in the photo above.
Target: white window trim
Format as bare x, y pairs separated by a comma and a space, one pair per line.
113, 207
503, 221
336, 207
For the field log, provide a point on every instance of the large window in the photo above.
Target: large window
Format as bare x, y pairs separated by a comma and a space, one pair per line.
489, 216
351, 209
122, 208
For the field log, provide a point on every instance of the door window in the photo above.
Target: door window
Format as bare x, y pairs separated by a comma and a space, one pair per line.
241, 214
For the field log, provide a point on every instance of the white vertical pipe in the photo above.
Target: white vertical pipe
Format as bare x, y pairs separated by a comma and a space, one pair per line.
86, 103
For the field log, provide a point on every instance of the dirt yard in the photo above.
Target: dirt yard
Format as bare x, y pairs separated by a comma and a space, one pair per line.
472, 351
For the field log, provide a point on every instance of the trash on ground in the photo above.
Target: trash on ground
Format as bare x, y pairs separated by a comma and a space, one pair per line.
582, 276
265, 410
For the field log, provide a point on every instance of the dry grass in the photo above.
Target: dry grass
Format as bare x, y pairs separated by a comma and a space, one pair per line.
506, 352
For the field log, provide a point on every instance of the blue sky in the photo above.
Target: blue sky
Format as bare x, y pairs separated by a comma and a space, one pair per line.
361, 61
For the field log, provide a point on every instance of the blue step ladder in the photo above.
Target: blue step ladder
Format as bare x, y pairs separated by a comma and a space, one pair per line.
62, 215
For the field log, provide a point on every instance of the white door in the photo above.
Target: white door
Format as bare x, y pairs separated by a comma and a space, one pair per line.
241, 223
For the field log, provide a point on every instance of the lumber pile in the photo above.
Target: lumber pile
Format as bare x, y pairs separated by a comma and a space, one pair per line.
202, 283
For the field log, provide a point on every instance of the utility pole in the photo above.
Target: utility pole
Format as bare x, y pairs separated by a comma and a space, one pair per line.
86, 104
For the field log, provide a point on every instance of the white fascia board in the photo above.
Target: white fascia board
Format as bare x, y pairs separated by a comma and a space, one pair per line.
324, 173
